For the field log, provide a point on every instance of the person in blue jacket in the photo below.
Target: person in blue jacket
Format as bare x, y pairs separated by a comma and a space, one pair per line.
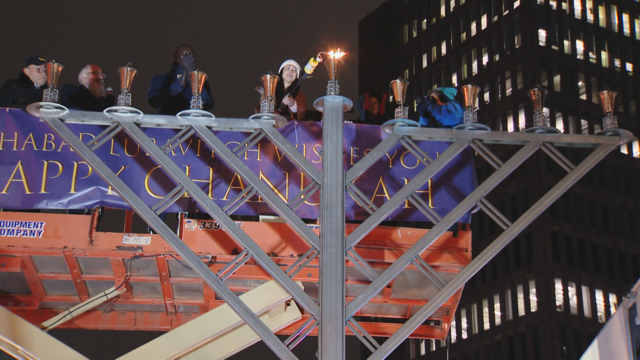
171, 93
439, 106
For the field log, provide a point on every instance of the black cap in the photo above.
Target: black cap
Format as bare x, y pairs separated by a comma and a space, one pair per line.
34, 60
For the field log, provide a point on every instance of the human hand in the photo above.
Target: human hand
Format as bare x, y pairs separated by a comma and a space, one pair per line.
189, 63
289, 101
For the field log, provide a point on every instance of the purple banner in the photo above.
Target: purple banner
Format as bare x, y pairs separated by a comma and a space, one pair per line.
38, 170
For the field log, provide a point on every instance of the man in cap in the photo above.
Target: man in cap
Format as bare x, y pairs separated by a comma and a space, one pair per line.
91, 94
171, 93
439, 105
28, 87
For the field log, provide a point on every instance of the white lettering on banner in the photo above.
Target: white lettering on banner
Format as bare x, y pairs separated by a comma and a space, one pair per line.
25, 229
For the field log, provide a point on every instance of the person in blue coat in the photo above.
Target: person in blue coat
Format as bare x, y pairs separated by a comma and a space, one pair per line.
171, 93
439, 106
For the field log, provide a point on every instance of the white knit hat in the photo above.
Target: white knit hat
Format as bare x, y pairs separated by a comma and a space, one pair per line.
290, 62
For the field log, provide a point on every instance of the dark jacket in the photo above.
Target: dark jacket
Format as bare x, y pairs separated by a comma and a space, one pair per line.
80, 98
168, 96
20, 92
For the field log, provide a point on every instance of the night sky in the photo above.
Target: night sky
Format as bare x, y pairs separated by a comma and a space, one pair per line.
235, 41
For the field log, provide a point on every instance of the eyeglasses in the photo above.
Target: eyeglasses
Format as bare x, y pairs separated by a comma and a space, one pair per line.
291, 68
98, 74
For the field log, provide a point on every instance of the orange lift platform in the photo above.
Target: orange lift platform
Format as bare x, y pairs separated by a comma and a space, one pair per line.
71, 262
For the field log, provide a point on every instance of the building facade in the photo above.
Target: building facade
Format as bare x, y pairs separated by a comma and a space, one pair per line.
550, 291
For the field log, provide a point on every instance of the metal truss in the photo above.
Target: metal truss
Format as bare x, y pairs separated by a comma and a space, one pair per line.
333, 316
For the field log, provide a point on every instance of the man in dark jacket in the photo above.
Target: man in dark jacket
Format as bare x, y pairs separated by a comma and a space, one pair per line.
171, 93
90, 95
28, 87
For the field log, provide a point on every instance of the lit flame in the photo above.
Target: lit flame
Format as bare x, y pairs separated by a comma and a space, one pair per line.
337, 54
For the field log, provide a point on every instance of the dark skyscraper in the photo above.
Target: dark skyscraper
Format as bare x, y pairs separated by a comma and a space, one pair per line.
548, 293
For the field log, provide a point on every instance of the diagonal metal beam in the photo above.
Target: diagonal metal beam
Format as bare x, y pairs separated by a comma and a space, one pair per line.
270, 339
396, 200
430, 237
293, 154
267, 194
374, 155
492, 250
217, 213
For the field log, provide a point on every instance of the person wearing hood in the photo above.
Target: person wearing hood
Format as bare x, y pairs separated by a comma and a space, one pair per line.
28, 87
440, 106
171, 93
90, 94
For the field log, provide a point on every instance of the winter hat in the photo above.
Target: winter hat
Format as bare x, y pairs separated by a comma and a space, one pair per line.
290, 62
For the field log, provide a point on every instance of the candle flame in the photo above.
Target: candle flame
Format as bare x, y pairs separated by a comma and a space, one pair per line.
337, 54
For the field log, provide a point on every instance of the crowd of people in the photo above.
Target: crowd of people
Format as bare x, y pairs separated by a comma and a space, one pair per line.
171, 93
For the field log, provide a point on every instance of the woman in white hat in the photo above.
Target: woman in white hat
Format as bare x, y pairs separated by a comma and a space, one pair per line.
293, 106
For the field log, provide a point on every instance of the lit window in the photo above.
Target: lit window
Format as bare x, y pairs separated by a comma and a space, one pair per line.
443, 48
508, 304
516, 3
573, 298
559, 295
424, 24
590, 11
553, 4
637, 23
486, 322
613, 303
592, 54
559, 123
626, 25
556, 82
542, 37
636, 148
602, 16
474, 318
485, 56
543, 78
520, 291
604, 55
617, 63
483, 22
507, 83
518, 40
584, 126
567, 42
454, 334
497, 315
454, 79
586, 301
533, 298
406, 34
442, 9
406, 74
463, 323
600, 306
565, 6
629, 67
434, 54
424, 60
522, 122
433, 345
614, 18
414, 28
474, 62
510, 126
464, 67
473, 28
540, 2
577, 8
423, 347
579, 49
594, 90
452, 5
582, 87
486, 94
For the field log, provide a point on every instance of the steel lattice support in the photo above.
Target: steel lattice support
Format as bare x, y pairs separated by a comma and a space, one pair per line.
332, 315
